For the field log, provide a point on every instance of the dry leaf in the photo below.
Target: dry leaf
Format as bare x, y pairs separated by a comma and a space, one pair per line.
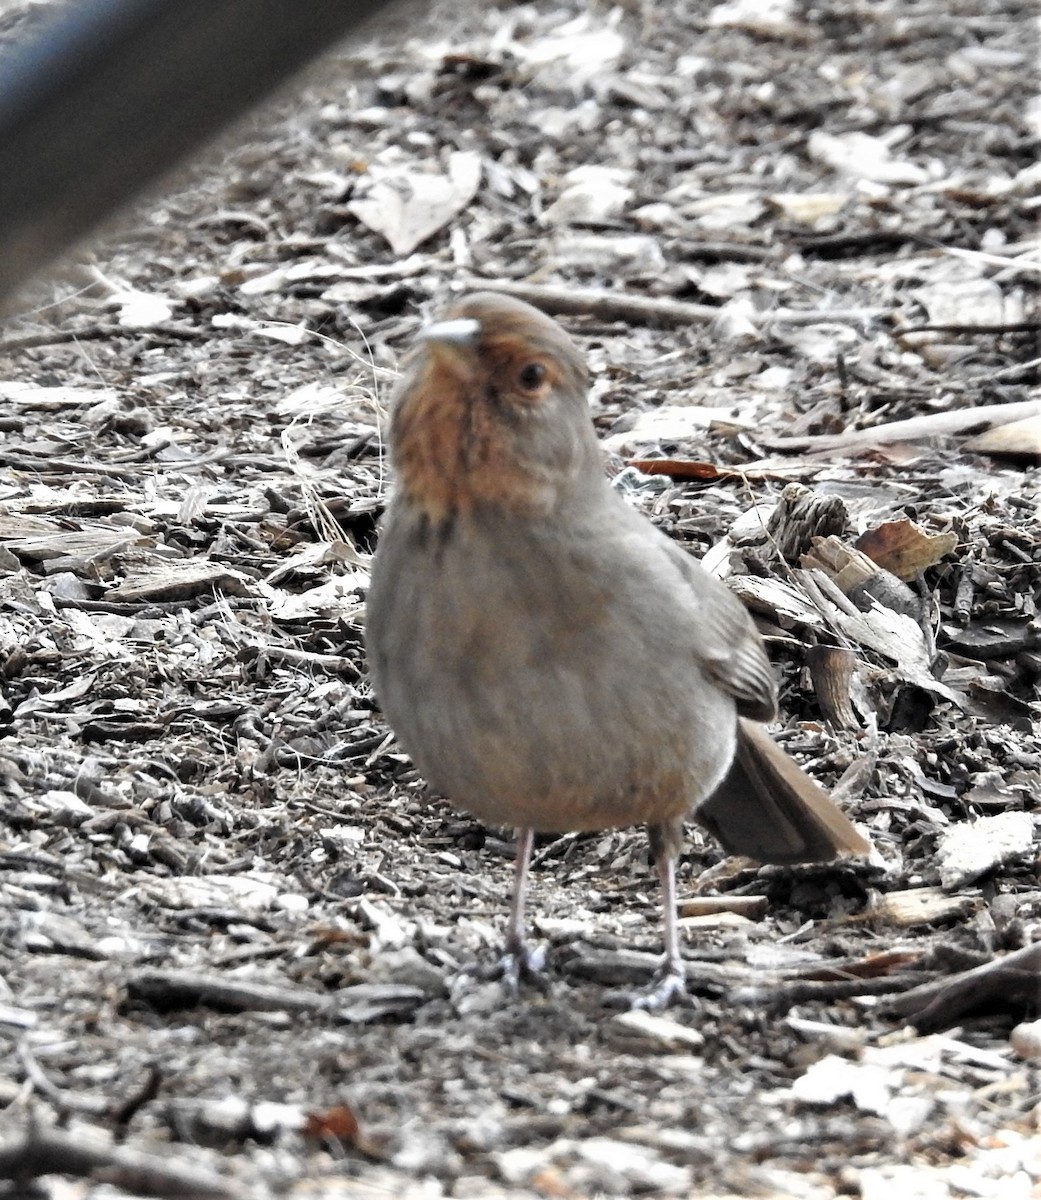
338, 1122
904, 548
406, 205
692, 468
663, 1031
725, 211
765, 17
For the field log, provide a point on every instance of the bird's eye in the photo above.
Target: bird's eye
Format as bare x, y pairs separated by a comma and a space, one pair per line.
531, 376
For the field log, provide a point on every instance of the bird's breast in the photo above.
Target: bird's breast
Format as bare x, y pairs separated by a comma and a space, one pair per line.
532, 683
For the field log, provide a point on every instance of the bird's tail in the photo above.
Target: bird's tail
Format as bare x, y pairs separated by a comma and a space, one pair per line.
769, 809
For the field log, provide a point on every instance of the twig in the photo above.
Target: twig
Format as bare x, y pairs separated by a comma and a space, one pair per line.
187, 989
85, 1155
59, 337
626, 968
144, 453
332, 664
836, 245
63, 466
962, 419
44, 1086
1012, 327
140, 609
1016, 371
822, 316
93, 333
608, 305
781, 996
603, 304
727, 252
122, 1114
1010, 983
556, 849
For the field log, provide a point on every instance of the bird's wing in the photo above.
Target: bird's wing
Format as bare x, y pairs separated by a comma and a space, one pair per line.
727, 642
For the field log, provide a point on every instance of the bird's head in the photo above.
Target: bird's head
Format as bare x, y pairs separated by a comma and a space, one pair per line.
492, 411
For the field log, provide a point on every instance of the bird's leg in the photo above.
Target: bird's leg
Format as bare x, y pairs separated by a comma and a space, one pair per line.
670, 981
515, 929
520, 961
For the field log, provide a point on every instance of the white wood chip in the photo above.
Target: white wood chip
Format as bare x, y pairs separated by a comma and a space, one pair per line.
662, 1030
590, 196
972, 848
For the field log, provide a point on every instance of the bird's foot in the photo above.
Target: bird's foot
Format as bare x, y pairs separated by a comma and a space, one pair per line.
521, 963
670, 985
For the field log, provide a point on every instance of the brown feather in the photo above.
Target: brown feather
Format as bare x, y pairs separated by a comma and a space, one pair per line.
769, 809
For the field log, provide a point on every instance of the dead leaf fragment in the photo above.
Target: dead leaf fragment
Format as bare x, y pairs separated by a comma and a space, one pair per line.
338, 1122
584, 47
142, 310
673, 423
407, 205
765, 18
904, 548
832, 1077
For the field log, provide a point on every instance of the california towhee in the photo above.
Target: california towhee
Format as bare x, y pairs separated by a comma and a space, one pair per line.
547, 657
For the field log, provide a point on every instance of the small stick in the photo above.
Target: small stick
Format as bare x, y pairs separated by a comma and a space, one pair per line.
607, 305
604, 304
86, 1156
958, 421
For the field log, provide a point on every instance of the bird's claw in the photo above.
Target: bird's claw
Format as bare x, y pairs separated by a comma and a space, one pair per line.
521, 963
670, 984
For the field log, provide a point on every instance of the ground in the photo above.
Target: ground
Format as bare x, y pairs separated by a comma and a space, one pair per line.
240, 936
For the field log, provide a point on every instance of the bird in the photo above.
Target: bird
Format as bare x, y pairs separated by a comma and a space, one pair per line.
547, 657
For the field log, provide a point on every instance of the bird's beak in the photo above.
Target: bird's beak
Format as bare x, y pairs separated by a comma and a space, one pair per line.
454, 335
